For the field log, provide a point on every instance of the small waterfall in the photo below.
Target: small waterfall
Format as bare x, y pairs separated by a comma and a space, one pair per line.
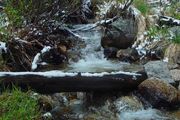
92, 55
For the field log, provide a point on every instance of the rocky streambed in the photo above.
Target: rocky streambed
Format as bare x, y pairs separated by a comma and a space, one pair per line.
115, 46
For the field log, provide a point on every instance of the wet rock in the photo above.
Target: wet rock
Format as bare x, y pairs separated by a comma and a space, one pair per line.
110, 52
128, 55
60, 99
98, 98
61, 113
120, 34
159, 69
128, 103
159, 93
175, 74
45, 103
101, 113
55, 56
173, 53
98, 116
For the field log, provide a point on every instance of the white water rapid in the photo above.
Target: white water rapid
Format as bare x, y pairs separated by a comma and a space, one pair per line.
92, 55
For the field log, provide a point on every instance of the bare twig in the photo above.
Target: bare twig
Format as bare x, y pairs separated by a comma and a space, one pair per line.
127, 4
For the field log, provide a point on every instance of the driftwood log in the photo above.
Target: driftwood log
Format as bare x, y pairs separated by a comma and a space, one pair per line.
56, 81
166, 20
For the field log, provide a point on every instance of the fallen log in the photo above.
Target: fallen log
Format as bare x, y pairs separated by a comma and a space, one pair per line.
57, 81
166, 20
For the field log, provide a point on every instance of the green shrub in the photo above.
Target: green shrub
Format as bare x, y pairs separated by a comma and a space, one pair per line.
13, 13
158, 32
19, 11
4, 29
176, 39
142, 6
17, 105
174, 10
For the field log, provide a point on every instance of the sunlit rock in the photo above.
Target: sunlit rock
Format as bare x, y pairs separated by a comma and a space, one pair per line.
173, 53
159, 69
175, 74
159, 93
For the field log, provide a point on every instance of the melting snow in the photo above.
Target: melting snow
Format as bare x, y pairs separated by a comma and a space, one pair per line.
166, 60
37, 58
55, 73
3, 47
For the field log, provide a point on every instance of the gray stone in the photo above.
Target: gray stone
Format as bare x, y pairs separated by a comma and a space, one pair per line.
175, 30
172, 53
128, 55
128, 103
175, 74
159, 69
120, 34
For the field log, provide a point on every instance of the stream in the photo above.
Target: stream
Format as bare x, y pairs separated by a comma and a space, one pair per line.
93, 59
89, 62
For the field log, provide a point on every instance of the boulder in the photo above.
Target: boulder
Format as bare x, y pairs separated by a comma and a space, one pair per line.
175, 74
110, 52
159, 69
157, 49
175, 30
45, 103
120, 34
141, 26
128, 103
159, 93
152, 20
128, 55
173, 53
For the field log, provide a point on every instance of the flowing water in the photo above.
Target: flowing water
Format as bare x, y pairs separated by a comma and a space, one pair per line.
93, 61
92, 55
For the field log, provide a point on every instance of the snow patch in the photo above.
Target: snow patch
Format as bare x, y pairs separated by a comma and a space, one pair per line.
85, 6
107, 6
57, 73
35, 61
48, 74
108, 73
3, 47
37, 58
166, 60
